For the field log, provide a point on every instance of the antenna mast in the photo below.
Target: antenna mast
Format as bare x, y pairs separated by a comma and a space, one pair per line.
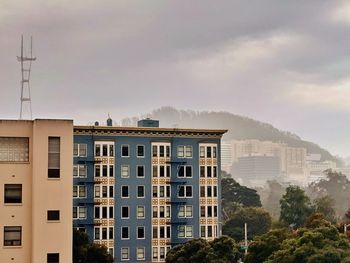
26, 65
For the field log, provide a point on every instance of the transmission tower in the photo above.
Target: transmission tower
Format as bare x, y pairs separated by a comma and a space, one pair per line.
26, 65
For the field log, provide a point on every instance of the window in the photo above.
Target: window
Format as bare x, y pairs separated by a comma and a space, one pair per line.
104, 232
162, 252
202, 211
180, 151
154, 151
110, 233
125, 171
97, 233
140, 191
185, 231
12, 235
104, 170
79, 170
125, 232
214, 152
125, 212
79, 212
111, 212
97, 212
140, 171
13, 194
215, 211
155, 211
215, 191
53, 258
111, 191
208, 152
53, 215
97, 191
79, 191
125, 191
184, 151
209, 192
97, 170
215, 172
105, 149
140, 211
125, 150
210, 211
185, 211
14, 149
54, 157
208, 171
155, 171
155, 253
185, 171
202, 231
140, 151
210, 231
140, 232
140, 251
202, 191
202, 152
202, 171
124, 253
185, 191
79, 150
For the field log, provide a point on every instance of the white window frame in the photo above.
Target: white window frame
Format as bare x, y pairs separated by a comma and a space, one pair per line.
121, 150
125, 171
139, 249
79, 212
185, 195
137, 232
78, 168
137, 171
121, 191
121, 233
122, 252
78, 145
121, 212
78, 191
137, 151
141, 207
137, 191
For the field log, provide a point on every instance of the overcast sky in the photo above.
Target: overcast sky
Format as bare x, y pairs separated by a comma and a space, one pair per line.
283, 62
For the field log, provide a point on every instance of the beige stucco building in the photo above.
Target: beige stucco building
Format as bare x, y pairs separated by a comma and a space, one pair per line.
35, 177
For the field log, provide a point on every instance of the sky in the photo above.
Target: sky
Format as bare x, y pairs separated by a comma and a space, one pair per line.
282, 62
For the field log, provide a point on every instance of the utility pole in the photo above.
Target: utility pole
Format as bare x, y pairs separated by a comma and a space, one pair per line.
245, 239
26, 65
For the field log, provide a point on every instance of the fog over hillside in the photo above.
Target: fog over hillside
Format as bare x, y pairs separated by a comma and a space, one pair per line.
240, 127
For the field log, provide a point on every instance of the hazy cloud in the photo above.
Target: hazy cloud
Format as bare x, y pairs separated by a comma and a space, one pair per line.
284, 62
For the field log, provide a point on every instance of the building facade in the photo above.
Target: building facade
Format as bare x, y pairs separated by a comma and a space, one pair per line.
141, 190
36, 209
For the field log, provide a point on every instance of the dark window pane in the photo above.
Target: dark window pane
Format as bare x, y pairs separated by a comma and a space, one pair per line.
13, 193
53, 258
140, 151
53, 215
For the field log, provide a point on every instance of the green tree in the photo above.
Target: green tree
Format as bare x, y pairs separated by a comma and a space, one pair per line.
220, 250
257, 219
320, 244
325, 206
295, 207
234, 196
86, 252
263, 246
231, 191
337, 186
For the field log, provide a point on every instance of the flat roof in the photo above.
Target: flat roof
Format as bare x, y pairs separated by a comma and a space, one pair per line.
147, 131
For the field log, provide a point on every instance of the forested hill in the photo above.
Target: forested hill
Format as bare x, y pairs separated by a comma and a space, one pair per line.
239, 127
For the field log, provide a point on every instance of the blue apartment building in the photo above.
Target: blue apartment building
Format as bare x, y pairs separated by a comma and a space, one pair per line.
142, 190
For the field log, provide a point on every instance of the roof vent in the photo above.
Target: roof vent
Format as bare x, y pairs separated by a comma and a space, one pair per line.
96, 123
109, 121
148, 123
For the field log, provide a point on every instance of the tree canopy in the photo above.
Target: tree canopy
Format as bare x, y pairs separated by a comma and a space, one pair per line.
318, 242
220, 250
337, 186
295, 207
235, 195
257, 219
86, 252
